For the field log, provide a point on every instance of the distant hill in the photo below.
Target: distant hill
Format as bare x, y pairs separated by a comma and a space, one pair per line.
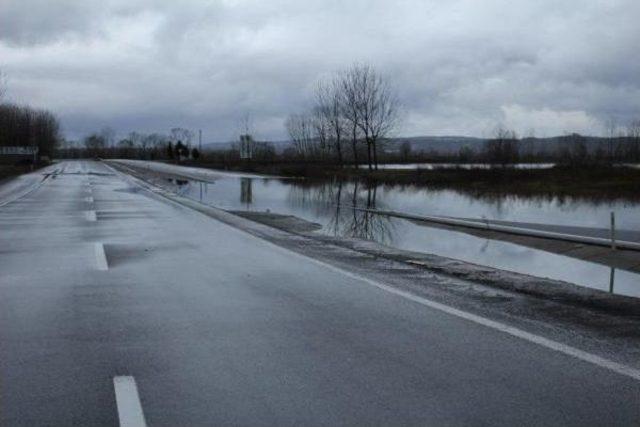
453, 144
280, 146
439, 144
443, 144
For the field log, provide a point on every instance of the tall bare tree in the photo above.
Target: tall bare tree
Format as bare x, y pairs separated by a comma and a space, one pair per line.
321, 131
348, 98
178, 134
300, 129
611, 131
375, 106
108, 136
328, 104
633, 135
502, 149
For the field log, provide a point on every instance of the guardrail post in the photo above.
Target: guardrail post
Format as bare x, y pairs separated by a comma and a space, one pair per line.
613, 230
612, 279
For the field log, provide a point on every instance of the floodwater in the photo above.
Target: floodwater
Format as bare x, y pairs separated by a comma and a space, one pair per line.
431, 166
319, 203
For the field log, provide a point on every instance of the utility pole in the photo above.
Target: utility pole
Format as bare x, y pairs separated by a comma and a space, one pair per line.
613, 230
200, 140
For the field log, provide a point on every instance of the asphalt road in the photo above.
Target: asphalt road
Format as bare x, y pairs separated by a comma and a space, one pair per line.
98, 281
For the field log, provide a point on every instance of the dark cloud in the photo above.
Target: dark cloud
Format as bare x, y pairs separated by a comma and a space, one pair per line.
459, 66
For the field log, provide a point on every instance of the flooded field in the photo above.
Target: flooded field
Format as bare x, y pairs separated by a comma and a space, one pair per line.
328, 204
431, 166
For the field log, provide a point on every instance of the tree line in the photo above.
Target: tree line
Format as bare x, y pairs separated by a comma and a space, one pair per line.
21, 125
176, 145
505, 148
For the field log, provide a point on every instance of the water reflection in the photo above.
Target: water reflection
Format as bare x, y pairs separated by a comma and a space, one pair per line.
328, 203
349, 222
331, 201
612, 279
246, 191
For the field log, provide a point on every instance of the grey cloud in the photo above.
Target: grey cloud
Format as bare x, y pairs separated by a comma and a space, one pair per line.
28, 22
459, 66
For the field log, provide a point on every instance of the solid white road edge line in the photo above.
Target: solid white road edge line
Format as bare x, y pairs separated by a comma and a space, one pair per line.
90, 215
128, 402
516, 332
101, 257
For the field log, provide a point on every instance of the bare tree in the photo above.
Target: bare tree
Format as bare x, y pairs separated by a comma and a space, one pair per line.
350, 112
95, 144
578, 147
108, 136
300, 129
46, 131
375, 104
321, 129
328, 105
141, 142
126, 147
136, 139
611, 131
502, 149
178, 134
405, 151
633, 135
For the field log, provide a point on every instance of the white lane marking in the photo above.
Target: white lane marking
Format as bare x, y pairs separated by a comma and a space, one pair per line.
128, 402
568, 350
101, 257
90, 216
88, 199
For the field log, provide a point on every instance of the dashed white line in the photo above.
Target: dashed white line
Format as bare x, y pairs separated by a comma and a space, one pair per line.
128, 402
90, 216
101, 257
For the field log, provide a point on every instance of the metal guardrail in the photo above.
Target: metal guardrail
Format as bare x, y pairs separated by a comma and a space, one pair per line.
597, 241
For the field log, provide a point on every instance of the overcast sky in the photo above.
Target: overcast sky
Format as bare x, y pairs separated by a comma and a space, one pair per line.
460, 66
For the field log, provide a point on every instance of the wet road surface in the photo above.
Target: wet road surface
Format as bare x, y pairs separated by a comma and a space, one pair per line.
111, 300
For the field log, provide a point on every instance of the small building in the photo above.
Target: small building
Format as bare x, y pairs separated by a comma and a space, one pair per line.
18, 154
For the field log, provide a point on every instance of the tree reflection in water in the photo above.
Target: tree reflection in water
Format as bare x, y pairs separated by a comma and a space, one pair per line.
335, 200
246, 191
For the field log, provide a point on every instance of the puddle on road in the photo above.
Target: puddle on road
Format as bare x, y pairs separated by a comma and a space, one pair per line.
319, 203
